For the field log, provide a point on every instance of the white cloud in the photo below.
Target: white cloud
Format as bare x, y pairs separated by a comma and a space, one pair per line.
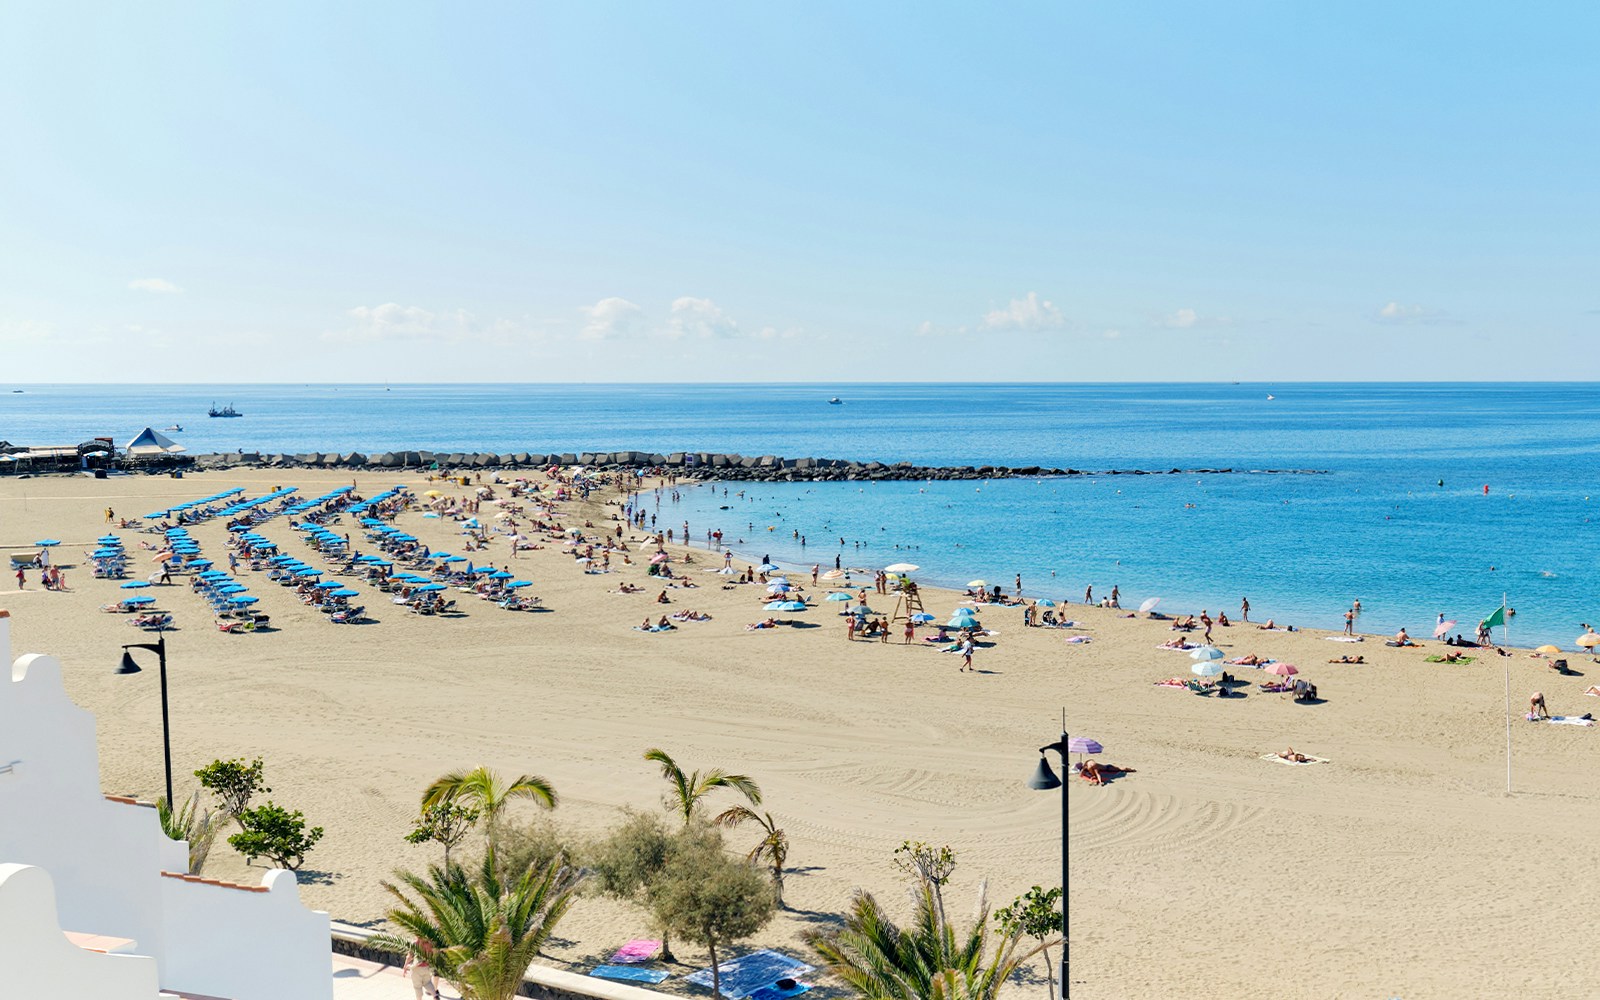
158, 285
773, 333
610, 318
1398, 312
1112, 335
1182, 319
25, 331
392, 321
700, 318
1028, 313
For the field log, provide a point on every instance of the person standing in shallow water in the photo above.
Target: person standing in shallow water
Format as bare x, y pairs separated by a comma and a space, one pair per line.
1244, 609
1088, 594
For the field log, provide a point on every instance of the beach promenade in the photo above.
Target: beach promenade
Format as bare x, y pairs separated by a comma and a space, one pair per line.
1401, 864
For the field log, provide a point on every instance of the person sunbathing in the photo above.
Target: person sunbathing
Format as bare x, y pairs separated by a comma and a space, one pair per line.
1402, 639
1177, 643
1593, 690
1249, 660
1183, 624
1269, 626
1294, 758
1348, 659
1096, 773
768, 623
1222, 619
1451, 657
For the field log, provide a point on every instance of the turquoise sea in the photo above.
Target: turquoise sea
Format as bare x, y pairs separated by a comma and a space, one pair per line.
1396, 515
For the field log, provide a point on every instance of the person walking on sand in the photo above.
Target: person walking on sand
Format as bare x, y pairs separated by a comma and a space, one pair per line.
911, 631
966, 655
1244, 609
1116, 596
111, 515
22, 579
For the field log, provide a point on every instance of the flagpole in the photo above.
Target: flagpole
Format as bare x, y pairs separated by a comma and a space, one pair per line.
1508, 728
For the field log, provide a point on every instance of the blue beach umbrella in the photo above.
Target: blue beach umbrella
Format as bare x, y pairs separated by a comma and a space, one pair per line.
47, 542
233, 588
791, 606
775, 605
515, 584
501, 575
1047, 603
308, 572
345, 592
862, 610
243, 600
135, 585
109, 540
141, 599
431, 587
327, 584
961, 623
456, 559
922, 618
837, 596
202, 563
766, 568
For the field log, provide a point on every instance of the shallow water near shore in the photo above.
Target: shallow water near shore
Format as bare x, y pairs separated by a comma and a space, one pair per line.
1375, 525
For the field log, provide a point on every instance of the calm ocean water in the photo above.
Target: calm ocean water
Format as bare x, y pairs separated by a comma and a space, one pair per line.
1377, 525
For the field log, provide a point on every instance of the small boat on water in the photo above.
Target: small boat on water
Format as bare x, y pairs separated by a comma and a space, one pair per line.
1270, 397
174, 427
835, 401
226, 411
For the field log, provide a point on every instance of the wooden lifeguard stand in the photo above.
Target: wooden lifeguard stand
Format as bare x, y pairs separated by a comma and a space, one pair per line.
907, 601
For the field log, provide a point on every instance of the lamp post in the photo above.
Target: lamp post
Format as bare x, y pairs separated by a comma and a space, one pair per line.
1045, 779
128, 666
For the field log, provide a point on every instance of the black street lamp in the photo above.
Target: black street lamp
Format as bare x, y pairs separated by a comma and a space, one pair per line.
1045, 779
128, 666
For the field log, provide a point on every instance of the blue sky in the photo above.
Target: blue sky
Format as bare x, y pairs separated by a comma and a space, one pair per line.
785, 191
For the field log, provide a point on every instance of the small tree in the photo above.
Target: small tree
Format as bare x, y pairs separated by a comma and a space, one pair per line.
628, 863
773, 847
1036, 914
192, 824
274, 832
711, 899
234, 783
447, 824
487, 791
927, 864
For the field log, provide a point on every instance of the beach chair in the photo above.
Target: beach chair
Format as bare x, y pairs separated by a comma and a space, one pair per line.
1199, 688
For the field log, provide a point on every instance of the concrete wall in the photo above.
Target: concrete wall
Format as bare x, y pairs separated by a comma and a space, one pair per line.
107, 858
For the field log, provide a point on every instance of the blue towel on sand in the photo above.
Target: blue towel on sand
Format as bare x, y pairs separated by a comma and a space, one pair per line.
773, 993
748, 973
634, 973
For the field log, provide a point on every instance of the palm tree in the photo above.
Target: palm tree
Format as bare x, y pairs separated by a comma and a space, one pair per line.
483, 789
926, 960
480, 933
773, 847
689, 789
190, 823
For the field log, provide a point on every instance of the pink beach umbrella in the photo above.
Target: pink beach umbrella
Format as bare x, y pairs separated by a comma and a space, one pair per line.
1442, 628
1282, 669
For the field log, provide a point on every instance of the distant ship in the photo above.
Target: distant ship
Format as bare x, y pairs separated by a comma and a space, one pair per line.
835, 401
1270, 396
226, 411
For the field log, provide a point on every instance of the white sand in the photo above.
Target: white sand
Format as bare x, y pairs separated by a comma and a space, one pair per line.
1401, 868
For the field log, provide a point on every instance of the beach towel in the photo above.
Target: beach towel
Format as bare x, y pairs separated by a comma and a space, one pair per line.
1078, 639
774, 992
629, 972
1440, 659
1295, 763
1274, 630
748, 973
1171, 682
1568, 720
1238, 661
637, 950
1177, 649
1344, 638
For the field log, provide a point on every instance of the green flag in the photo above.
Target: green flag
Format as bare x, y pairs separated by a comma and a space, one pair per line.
1498, 618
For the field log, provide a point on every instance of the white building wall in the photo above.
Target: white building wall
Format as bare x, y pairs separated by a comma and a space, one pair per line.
106, 859
41, 964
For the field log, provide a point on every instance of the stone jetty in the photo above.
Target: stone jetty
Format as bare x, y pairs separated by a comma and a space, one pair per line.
684, 465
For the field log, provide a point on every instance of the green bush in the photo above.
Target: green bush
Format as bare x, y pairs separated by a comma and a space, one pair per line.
271, 831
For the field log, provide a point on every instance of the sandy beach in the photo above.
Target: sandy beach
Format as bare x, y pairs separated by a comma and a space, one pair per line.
1400, 867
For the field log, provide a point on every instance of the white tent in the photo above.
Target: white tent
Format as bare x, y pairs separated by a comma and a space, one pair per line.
152, 442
